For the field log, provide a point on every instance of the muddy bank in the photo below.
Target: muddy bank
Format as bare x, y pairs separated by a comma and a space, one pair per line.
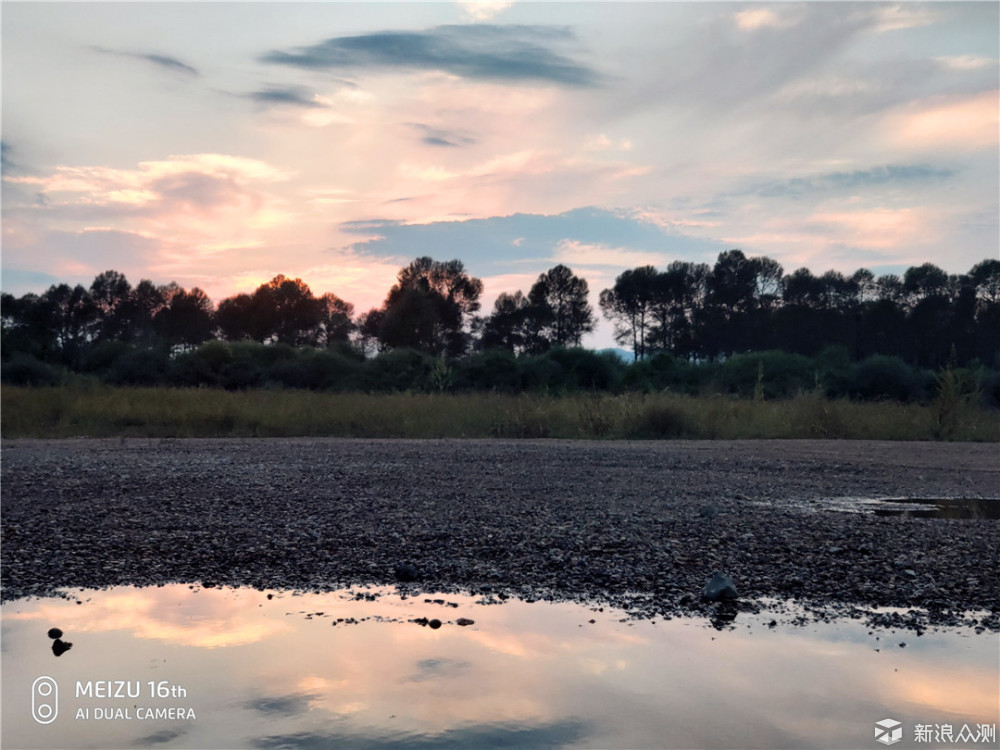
635, 524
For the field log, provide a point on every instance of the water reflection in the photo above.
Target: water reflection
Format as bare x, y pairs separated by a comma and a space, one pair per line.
951, 508
240, 669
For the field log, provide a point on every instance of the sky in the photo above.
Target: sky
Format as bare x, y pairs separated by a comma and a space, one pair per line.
220, 144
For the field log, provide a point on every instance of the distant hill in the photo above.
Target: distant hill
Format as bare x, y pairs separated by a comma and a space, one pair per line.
624, 355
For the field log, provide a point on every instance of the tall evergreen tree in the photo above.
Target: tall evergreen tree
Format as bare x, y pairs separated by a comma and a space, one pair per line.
628, 306
560, 307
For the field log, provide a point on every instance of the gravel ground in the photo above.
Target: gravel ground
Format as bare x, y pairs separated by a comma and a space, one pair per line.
639, 525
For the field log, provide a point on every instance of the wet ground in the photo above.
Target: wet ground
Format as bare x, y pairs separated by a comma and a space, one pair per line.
953, 508
637, 525
186, 667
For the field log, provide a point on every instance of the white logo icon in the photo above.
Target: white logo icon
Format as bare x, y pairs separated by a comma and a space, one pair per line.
888, 731
44, 700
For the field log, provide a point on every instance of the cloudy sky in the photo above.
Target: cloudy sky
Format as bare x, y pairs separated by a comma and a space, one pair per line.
218, 145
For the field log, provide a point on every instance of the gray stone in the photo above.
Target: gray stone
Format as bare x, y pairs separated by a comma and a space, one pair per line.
718, 587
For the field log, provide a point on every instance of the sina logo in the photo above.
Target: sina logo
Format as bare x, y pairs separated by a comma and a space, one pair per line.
888, 731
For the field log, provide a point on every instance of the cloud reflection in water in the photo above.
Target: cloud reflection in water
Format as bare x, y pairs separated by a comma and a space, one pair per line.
270, 673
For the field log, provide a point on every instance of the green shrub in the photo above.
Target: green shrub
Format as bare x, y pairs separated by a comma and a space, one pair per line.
214, 354
25, 369
881, 377
397, 370
101, 357
665, 372
189, 370
565, 370
540, 372
988, 382
140, 367
316, 370
769, 375
491, 370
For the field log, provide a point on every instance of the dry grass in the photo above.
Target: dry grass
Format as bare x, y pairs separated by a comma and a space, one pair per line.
101, 411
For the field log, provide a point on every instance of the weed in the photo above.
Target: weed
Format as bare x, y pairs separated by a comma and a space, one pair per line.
105, 411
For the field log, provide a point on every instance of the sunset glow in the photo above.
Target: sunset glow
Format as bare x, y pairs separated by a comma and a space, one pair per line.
842, 136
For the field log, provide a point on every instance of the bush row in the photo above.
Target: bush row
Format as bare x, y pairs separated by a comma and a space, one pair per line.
762, 376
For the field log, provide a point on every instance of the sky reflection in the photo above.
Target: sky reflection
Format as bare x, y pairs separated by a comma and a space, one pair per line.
277, 673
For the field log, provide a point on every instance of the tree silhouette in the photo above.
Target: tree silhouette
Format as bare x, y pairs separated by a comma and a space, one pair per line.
560, 308
144, 303
66, 316
678, 302
628, 304
508, 326
186, 318
429, 307
237, 319
337, 321
738, 305
289, 312
110, 292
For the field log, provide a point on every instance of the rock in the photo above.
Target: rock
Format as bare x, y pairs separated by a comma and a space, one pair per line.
434, 624
406, 572
708, 512
55, 633
463, 621
719, 587
60, 647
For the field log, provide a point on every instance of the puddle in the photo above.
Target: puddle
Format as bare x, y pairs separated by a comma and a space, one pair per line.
176, 667
953, 508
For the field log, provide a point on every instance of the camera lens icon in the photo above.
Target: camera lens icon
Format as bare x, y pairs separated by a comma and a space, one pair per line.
44, 700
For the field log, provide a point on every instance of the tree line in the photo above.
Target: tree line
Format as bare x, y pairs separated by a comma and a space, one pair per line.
746, 304
693, 311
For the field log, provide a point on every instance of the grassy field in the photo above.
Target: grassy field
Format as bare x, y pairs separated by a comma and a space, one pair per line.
102, 411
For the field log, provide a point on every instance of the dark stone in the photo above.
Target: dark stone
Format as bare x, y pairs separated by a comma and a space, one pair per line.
718, 588
55, 633
434, 624
406, 572
463, 621
708, 512
60, 647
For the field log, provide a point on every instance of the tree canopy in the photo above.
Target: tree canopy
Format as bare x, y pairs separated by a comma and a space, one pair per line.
690, 310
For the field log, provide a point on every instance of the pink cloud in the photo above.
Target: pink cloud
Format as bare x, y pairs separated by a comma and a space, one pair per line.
960, 123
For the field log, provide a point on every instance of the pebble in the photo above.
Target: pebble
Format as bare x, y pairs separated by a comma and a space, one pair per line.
318, 514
